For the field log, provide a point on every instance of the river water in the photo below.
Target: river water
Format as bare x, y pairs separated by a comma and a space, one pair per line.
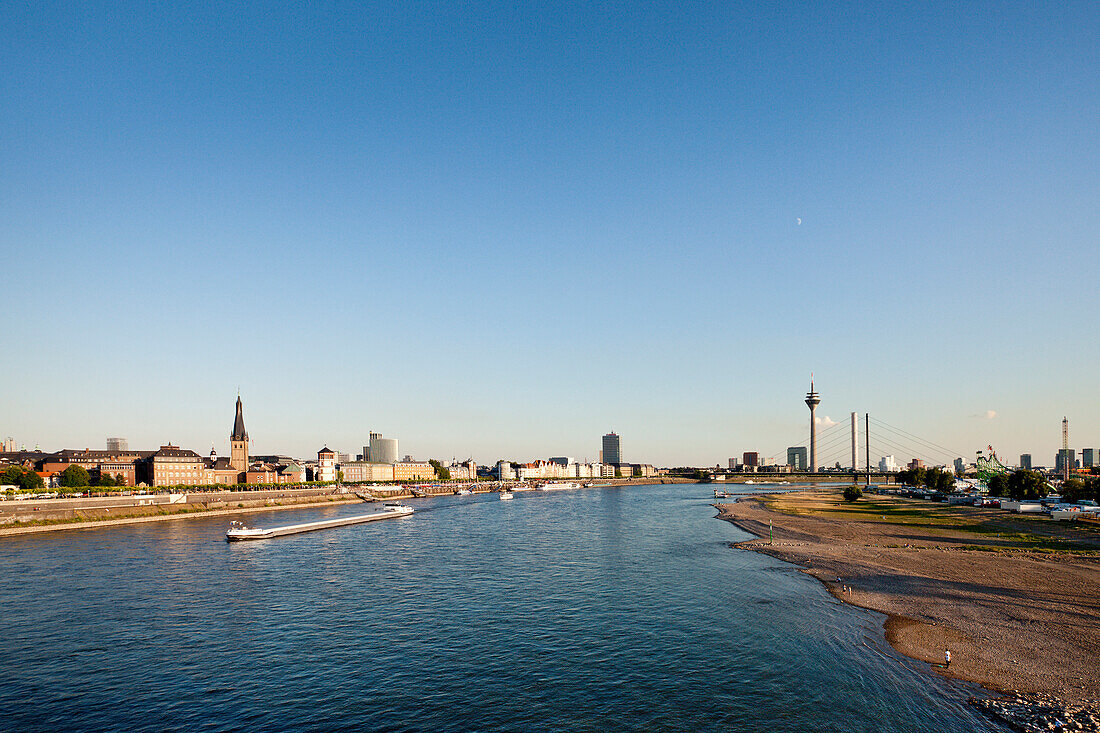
594, 610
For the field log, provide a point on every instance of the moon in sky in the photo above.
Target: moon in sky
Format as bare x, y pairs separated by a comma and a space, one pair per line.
799, 221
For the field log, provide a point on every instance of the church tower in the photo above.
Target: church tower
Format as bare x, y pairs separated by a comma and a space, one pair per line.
238, 442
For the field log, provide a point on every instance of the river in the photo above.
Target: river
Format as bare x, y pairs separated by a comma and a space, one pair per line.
592, 610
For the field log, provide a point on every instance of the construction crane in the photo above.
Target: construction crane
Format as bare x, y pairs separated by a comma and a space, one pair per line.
1065, 449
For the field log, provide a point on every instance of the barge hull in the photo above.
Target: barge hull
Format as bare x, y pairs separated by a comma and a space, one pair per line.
313, 526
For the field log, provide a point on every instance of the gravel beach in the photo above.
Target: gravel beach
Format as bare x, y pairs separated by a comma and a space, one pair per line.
1016, 615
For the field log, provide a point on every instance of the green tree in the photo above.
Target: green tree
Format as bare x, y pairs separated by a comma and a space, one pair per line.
441, 472
1026, 485
74, 476
20, 477
938, 479
11, 475
852, 493
1092, 489
998, 485
105, 479
912, 476
31, 480
1073, 490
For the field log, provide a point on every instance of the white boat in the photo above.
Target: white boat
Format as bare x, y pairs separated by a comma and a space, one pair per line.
506, 495
558, 486
238, 531
463, 492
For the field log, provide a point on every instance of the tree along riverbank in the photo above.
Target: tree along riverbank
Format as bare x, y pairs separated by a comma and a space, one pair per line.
1014, 598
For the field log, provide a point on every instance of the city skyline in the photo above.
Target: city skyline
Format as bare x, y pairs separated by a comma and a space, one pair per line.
885, 441
500, 240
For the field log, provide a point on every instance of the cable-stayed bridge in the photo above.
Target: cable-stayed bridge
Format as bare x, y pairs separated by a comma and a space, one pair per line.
872, 439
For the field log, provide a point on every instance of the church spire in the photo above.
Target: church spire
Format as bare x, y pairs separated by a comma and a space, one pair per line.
239, 433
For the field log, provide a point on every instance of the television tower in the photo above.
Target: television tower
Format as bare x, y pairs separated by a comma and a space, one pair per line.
813, 399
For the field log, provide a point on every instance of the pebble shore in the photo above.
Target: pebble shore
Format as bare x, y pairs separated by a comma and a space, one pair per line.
1034, 713
1020, 623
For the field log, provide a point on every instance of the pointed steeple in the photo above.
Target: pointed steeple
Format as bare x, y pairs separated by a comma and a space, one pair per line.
239, 433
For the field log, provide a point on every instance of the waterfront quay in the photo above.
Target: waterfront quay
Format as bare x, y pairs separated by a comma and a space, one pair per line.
90, 512
38, 515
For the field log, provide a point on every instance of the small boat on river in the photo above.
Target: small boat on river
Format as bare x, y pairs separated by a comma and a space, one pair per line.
506, 495
558, 486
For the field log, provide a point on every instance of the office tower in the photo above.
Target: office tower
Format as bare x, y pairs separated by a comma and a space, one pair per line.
382, 450
611, 449
1061, 464
796, 458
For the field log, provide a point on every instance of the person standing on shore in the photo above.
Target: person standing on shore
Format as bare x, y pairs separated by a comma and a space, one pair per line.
947, 658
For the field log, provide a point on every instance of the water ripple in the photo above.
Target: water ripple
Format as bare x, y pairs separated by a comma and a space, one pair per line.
599, 610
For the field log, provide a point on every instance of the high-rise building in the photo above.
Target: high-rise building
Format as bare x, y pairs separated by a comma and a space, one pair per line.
611, 449
118, 445
238, 441
381, 450
1061, 465
1088, 457
796, 458
959, 467
734, 463
751, 458
1025, 461
887, 464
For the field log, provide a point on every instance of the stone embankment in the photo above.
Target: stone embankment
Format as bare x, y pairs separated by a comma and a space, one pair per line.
45, 515
1034, 713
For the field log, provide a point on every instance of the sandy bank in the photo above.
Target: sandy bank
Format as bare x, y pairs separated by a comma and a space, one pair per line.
1015, 615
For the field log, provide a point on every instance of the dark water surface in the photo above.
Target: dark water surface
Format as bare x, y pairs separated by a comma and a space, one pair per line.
600, 610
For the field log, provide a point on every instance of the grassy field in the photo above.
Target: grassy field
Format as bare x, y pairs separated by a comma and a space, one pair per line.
985, 528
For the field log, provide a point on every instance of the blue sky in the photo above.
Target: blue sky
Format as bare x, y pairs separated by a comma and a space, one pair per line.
493, 230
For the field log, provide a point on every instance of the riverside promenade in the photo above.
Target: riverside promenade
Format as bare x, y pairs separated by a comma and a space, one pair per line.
46, 515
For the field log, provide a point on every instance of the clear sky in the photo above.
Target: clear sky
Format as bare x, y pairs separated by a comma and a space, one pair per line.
503, 229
